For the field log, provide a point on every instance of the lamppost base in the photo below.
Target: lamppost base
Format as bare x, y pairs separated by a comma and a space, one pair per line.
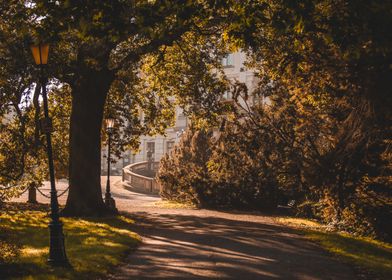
58, 263
111, 204
32, 195
57, 255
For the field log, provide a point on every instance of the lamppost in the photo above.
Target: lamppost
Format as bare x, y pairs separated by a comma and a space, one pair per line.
57, 255
109, 201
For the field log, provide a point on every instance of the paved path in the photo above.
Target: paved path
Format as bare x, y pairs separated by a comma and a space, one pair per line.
211, 245
123, 197
203, 244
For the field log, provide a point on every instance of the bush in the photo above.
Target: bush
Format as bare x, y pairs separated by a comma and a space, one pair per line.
216, 174
340, 176
183, 174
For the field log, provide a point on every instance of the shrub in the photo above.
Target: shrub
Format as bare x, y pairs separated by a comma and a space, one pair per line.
183, 174
211, 173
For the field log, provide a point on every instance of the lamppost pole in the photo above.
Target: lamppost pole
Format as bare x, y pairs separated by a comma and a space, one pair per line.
108, 195
57, 255
109, 201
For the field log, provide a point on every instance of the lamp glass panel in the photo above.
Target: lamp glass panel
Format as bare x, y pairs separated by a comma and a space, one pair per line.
44, 53
44, 50
109, 123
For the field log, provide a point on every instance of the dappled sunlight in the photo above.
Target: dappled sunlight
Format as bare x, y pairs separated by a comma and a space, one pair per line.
92, 245
31, 219
169, 204
111, 244
300, 222
220, 245
125, 220
31, 252
209, 248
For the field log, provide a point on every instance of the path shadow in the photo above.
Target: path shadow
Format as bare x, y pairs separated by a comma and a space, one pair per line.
208, 247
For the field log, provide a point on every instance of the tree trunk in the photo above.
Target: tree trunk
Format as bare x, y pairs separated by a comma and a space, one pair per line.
88, 101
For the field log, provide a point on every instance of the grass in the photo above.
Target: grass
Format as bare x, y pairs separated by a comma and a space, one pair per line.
372, 255
169, 204
93, 246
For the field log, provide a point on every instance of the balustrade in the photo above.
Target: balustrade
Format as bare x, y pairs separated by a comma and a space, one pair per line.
137, 177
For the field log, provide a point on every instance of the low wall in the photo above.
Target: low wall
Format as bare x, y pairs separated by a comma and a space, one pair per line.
134, 180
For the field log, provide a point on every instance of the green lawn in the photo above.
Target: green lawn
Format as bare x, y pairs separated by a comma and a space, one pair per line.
373, 255
94, 246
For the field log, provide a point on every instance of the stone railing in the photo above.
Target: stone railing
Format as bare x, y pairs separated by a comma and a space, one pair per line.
137, 177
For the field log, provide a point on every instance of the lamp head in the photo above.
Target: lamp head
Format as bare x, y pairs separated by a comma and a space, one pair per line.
110, 121
40, 53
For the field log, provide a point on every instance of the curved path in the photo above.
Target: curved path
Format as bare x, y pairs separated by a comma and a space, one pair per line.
203, 244
208, 245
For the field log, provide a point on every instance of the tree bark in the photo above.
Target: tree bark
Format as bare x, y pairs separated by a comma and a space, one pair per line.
88, 101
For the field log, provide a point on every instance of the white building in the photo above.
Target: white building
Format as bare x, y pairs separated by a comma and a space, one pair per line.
159, 144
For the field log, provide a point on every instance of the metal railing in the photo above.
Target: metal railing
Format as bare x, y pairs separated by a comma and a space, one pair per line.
133, 179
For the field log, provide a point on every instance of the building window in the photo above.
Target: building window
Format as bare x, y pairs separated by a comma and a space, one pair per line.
228, 60
169, 146
151, 147
227, 95
180, 114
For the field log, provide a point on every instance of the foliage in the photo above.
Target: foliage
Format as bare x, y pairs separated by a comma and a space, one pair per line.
184, 175
17, 150
241, 170
333, 59
23, 146
145, 103
93, 246
270, 151
325, 67
239, 163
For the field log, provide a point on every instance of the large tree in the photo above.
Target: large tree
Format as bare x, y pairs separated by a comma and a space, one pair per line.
97, 48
